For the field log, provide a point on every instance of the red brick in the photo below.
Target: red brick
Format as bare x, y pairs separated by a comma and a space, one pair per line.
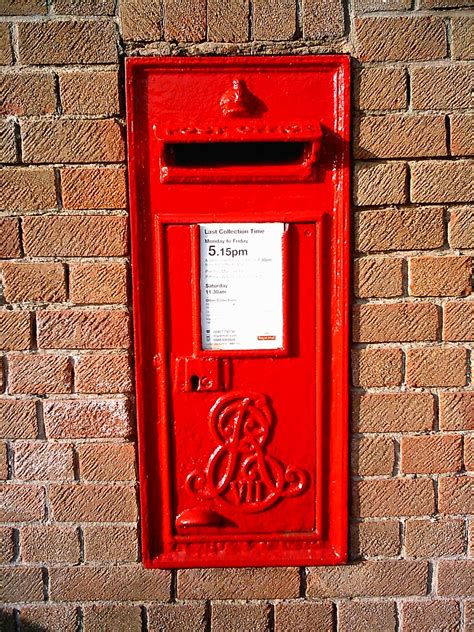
27, 93
110, 544
275, 19
39, 460
185, 21
21, 503
302, 615
7, 545
456, 495
15, 330
80, 329
238, 583
7, 142
434, 538
431, 454
90, 418
458, 322
227, 22
426, 616
84, 7
20, 585
394, 412
3, 461
381, 88
400, 38
37, 282
27, 189
42, 543
395, 322
399, 136
393, 497
93, 503
233, 617
67, 42
457, 411
39, 373
323, 22
462, 135
109, 373
107, 461
23, 7
441, 4
17, 419
140, 20
469, 453
377, 367
374, 539
89, 92
399, 229
378, 277
471, 541
10, 244
388, 578
360, 616
443, 181
72, 140
455, 577
380, 183
437, 366
108, 618
372, 456
97, 583
441, 87
94, 188
461, 227
54, 618
5, 46
98, 283
462, 44
440, 276
75, 236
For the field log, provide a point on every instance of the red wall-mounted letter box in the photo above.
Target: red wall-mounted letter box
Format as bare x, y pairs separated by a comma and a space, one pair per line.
240, 259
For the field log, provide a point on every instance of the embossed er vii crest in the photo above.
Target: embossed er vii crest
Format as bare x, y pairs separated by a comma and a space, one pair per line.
239, 472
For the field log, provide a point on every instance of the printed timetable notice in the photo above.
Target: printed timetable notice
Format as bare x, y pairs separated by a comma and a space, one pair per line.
241, 286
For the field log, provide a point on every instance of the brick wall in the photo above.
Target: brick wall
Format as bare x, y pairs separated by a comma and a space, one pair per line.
68, 541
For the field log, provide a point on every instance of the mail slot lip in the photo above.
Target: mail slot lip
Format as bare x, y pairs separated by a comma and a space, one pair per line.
161, 549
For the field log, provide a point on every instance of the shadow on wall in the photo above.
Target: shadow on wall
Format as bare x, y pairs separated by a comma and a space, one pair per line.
8, 624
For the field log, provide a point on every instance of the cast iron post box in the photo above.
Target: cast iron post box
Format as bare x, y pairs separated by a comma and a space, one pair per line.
239, 225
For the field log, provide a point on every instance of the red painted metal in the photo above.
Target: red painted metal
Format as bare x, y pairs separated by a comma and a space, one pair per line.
243, 457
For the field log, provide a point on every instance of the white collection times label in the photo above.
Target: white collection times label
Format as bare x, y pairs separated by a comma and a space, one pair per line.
241, 286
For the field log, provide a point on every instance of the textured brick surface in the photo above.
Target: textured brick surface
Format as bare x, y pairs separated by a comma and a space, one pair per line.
434, 538
461, 227
39, 373
294, 615
110, 543
185, 21
22, 7
109, 373
15, 330
375, 579
21, 584
81, 329
372, 456
93, 188
393, 497
377, 367
227, 22
457, 411
462, 45
462, 135
72, 140
393, 412
84, 7
86, 92
179, 618
107, 462
140, 20
240, 617
17, 419
75, 236
274, 20
21, 503
357, 616
107, 618
323, 22
373, 539
456, 495
455, 577
378, 277
431, 454
43, 282
400, 38
10, 244
62, 618
380, 183
437, 367
7, 546
93, 503
67, 42
7, 142
28, 189
98, 583
242, 583
39, 460
443, 181
395, 322
27, 93
429, 616
381, 88
440, 276
49, 544
441, 87
91, 418
98, 283
5, 45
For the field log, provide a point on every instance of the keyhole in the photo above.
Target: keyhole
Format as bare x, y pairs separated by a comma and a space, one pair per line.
194, 379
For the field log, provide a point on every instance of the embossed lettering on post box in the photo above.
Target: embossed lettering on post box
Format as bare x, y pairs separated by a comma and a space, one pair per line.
239, 225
